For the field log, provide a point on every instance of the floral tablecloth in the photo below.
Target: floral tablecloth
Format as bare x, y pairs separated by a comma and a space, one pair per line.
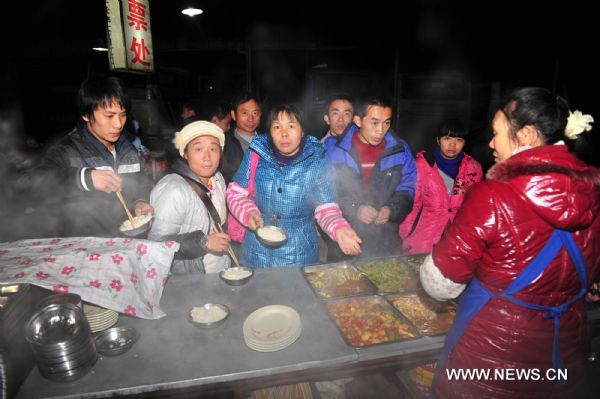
122, 274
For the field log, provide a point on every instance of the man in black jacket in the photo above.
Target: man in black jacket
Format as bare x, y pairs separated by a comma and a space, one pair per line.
80, 174
246, 112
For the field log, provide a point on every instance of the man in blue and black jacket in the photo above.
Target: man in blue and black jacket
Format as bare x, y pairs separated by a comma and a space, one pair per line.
375, 179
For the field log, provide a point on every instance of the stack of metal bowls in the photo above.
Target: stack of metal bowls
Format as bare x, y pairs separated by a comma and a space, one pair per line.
61, 341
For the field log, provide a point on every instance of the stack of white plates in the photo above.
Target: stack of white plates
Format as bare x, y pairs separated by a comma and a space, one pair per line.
272, 328
99, 318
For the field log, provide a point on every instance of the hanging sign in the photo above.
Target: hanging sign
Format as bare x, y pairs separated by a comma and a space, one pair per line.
129, 35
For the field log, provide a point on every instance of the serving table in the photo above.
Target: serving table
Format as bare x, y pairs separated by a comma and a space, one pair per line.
175, 358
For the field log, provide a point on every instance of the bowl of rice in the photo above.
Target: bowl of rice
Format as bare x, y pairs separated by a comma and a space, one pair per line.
142, 224
271, 236
209, 315
236, 275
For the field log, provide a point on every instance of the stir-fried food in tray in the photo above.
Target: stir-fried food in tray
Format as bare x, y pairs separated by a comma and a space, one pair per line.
369, 320
430, 317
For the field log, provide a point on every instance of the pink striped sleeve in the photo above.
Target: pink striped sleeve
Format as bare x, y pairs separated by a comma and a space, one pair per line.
329, 216
239, 203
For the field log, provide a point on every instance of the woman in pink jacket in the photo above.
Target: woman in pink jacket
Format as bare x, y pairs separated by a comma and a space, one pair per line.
526, 245
443, 178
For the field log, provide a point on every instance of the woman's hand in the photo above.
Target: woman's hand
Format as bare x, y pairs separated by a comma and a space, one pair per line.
255, 221
348, 241
143, 208
217, 242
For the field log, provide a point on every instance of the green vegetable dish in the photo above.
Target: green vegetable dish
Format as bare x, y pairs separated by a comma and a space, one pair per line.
390, 275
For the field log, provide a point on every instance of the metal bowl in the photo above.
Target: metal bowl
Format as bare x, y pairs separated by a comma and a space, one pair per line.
116, 340
228, 275
73, 299
207, 308
139, 229
56, 324
268, 242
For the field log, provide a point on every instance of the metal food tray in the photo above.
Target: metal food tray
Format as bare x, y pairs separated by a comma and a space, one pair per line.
387, 307
410, 274
412, 259
369, 287
444, 308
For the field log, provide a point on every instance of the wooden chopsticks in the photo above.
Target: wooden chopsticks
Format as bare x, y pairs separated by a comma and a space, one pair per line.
219, 229
129, 216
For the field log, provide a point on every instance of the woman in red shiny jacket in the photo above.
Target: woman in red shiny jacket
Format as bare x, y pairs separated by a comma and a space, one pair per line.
521, 293
443, 179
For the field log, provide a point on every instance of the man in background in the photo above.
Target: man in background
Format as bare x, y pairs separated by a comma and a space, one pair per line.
340, 110
190, 111
217, 113
375, 179
246, 113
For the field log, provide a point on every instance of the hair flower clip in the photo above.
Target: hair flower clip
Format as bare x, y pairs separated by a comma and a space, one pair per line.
578, 123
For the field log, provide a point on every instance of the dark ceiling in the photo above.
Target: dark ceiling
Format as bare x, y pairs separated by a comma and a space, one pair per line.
481, 37
47, 45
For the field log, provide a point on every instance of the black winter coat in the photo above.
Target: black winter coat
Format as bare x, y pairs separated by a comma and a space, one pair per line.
232, 156
55, 184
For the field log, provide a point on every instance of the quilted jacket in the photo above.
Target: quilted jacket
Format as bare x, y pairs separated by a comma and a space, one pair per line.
287, 195
180, 215
502, 225
433, 209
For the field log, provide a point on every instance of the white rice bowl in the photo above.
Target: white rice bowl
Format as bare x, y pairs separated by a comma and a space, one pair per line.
139, 221
271, 234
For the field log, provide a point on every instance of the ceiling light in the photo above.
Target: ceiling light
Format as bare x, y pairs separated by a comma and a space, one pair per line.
100, 48
192, 12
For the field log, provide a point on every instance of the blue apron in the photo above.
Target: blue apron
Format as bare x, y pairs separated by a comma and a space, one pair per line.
476, 296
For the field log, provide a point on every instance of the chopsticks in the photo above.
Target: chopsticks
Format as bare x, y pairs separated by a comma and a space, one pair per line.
219, 229
129, 216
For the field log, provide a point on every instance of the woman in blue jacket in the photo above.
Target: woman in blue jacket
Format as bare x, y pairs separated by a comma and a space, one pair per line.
293, 185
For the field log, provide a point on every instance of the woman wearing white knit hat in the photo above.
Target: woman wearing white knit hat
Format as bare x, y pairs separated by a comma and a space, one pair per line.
179, 212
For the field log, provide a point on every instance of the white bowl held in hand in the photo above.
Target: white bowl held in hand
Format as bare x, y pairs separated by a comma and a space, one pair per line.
142, 224
271, 236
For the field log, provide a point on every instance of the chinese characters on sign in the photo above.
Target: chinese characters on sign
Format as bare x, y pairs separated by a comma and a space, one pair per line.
130, 35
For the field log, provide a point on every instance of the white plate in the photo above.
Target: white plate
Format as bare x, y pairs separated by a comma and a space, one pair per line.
94, 328
103, 320
93, 310
103, 317
271, 325
273, 348
288, 338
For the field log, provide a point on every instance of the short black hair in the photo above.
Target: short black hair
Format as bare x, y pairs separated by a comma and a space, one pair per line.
242, 98
288, 109
218, 109
339, 96
195, 104
453, 128
363, 105
101, 91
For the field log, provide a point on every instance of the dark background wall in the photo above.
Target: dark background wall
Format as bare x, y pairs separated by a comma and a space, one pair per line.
432, 58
